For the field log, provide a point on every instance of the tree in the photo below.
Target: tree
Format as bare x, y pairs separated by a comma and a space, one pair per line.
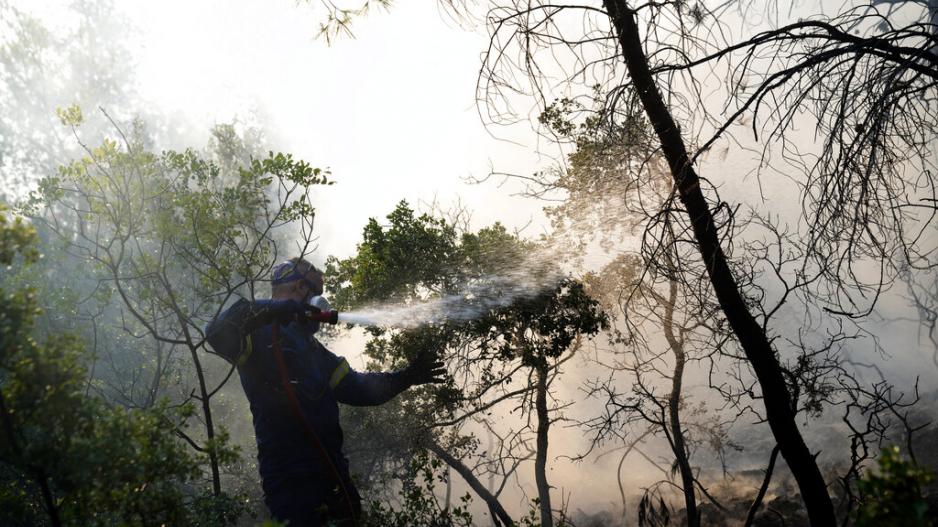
859, 207
615, 184
420, 507
70, 459
780, 411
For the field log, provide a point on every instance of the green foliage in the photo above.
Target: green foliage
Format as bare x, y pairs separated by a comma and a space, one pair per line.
417, 258
533, 517
614, 176
16, 237
74, 456
419, 505
70, 116
892, 496
541, 327
165, 239
411, 258
178, 214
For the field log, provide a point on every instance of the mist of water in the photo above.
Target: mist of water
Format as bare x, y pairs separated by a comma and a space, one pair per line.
476, 299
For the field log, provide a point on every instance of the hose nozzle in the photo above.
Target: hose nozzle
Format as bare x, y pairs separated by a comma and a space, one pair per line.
329, 317
326, 313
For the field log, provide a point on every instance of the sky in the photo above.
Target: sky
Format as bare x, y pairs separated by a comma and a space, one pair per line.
391, 111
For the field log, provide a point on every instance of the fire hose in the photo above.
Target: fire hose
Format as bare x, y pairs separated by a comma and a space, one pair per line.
332, 318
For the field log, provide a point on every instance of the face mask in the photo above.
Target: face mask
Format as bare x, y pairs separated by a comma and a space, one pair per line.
320, 302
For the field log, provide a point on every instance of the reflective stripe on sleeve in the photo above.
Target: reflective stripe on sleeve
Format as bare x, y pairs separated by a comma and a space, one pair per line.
339, 373
246, 352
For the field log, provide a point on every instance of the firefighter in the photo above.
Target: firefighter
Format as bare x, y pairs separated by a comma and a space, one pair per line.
294, 384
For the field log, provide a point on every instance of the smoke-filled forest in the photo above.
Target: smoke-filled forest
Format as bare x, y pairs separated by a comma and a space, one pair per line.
469, 263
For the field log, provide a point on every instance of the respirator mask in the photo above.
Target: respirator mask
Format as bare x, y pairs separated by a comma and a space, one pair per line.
319, 302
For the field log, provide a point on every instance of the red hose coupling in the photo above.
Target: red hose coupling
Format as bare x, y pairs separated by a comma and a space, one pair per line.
329, 317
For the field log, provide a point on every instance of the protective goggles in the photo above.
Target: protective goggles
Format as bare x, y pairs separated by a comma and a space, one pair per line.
289, 272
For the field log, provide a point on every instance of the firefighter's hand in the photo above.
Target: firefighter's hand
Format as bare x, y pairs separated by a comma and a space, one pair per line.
424, 369
286, 311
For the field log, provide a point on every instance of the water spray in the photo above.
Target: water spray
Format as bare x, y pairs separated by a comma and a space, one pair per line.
324, 314
474, 301
355, 318
358, 319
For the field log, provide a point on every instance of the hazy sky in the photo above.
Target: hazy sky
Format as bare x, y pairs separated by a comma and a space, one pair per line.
392, 112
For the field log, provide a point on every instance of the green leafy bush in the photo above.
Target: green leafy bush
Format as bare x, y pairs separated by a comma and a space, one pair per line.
67, 458
892, 496
419, 505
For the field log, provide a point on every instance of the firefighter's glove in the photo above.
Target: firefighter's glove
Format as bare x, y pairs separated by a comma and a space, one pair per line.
424, 369
286, 311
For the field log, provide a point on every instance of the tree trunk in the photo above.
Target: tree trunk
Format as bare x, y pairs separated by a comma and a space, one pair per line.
756, 503
495, 507
204, 395
204, 398
755, 343
540, 460
674, 402
628, 450
449, 488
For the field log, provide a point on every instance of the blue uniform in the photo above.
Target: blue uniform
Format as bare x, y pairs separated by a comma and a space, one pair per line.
297, 481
